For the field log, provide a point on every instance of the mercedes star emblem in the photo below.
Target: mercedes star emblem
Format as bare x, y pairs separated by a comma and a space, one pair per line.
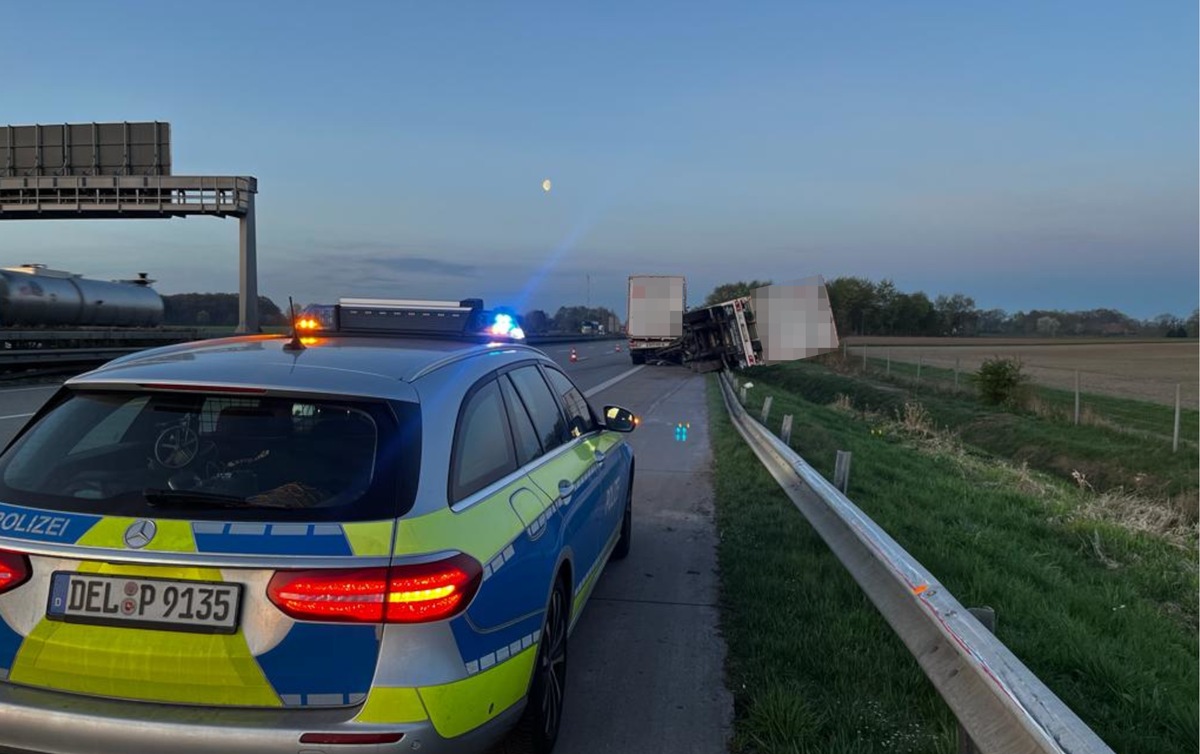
139, 533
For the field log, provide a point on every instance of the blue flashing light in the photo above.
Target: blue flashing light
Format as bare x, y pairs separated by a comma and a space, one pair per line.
505, 325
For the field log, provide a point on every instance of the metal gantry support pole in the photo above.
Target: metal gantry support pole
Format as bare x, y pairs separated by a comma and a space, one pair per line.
248, 271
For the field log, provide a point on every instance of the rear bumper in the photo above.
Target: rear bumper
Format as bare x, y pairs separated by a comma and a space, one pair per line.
35, 721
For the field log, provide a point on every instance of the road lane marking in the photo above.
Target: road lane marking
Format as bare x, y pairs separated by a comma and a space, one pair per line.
609, 383
17, 416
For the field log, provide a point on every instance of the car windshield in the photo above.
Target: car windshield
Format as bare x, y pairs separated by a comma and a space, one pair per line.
190, 455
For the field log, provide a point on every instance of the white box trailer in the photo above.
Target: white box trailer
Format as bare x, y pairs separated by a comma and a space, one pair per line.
655, 316
773, 324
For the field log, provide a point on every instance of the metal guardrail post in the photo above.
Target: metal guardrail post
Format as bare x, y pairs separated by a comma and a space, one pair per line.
766, 409
841, 471
785, 432
1002, 705
987, 618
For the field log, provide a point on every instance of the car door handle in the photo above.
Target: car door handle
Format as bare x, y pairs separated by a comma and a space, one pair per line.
600, 456
565, 489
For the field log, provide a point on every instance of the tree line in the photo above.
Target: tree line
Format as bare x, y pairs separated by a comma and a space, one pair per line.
864, 307
214, 310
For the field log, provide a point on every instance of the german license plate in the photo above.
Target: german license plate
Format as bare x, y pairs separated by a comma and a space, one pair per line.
199, 606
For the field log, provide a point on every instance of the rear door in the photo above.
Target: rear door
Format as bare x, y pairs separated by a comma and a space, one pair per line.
149, 530
569, 475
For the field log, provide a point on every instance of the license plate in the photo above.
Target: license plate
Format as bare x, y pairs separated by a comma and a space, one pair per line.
199, 606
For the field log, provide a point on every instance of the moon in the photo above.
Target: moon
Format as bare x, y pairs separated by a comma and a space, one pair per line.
546, 185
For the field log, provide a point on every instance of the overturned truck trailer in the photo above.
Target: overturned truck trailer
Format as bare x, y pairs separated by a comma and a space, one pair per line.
773, 324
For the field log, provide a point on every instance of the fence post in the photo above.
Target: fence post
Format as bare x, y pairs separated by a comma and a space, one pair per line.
1175, 437
743, 395
864, 367
920, 363
843, 350
785, 432
889, 362
986, 616
841, 471
1076, 397
766, 409
956, 373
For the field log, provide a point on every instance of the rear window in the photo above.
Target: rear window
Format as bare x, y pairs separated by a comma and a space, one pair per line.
196, 456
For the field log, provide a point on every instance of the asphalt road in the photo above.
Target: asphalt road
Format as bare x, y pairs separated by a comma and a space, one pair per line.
645, 668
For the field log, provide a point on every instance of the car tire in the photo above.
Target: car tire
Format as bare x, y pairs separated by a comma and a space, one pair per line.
537, 730
621, 550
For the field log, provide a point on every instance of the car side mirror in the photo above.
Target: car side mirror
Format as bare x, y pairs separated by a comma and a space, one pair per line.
619, 419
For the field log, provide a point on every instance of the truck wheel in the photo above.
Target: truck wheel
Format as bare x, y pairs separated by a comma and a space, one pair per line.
637, 357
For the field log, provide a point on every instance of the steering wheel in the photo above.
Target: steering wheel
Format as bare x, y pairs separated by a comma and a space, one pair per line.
176, 446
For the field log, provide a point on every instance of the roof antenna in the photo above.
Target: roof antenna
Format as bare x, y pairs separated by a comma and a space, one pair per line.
294, 344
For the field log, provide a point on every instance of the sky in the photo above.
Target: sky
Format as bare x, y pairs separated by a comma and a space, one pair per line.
1032, 154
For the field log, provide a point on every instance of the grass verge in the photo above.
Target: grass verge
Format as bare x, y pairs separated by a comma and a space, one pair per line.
1107, 458
1106, 617
1145, 418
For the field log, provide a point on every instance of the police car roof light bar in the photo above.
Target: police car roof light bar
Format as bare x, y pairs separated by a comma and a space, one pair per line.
411, 317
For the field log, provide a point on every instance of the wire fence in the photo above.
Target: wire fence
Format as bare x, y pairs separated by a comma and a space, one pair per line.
1158, 407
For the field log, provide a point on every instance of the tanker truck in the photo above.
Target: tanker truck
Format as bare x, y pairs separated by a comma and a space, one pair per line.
32, 295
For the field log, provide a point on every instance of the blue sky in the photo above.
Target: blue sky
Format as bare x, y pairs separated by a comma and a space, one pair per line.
1029, 154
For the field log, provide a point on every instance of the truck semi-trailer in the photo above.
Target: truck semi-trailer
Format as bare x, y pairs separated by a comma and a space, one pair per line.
656, 307
774, 323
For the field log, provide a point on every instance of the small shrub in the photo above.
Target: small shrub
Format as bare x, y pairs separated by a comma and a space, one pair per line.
1001, 382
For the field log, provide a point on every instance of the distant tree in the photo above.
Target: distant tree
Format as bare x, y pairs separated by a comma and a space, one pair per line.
202, 317
730, 291
991, 322
536, 321
852, 300
1048, 326
222, 308
1193, 324
957, 313
571, 318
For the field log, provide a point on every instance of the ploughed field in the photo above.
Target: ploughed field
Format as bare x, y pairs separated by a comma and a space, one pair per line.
1143, 370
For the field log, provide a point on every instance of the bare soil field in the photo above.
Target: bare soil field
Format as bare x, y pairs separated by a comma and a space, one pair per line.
1143, 370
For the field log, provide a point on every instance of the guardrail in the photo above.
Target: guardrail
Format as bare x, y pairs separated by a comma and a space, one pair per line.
999, 701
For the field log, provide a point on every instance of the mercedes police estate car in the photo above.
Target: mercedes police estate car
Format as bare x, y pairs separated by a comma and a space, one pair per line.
373, 539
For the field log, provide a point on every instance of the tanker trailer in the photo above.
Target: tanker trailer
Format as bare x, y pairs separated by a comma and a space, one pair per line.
33, 296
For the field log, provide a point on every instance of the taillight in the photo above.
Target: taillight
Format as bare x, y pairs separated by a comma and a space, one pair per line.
14, 570
401, 594
351, 738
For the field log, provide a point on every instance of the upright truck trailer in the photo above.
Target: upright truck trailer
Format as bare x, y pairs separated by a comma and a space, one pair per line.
655, 317
774, 323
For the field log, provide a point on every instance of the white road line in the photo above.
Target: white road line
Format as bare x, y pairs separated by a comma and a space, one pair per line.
609, 383
16, 416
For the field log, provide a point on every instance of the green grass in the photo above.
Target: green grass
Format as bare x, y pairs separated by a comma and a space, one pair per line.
1109, 458
1105, 617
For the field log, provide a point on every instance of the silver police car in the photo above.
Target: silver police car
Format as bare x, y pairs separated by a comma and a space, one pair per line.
375, 535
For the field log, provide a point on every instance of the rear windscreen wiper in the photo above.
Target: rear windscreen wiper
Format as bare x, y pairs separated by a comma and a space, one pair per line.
194, 497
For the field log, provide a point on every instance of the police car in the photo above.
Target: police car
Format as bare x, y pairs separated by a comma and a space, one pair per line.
374, 535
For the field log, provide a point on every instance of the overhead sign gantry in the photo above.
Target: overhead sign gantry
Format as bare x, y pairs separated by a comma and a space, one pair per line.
94, 171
